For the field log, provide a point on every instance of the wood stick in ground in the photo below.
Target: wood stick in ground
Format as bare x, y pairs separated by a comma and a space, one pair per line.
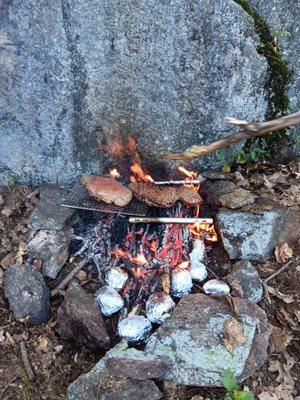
26, 361
69, 277
250, 130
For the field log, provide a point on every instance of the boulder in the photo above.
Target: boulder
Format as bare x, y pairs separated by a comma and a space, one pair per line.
202, 339
52, 248
49, 214
245, 281
213, 191
137, 365
27, 294
80, 320
238, 198
75, 73
249, 236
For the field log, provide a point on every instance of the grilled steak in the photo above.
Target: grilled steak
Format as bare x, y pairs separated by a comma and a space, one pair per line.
157, 196
164, 196
189, 196
107, 190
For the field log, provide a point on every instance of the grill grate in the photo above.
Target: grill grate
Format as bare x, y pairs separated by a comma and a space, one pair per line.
80, 199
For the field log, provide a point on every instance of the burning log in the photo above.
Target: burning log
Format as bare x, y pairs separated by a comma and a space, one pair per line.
159, 307
170, 220
108, 300
214, 286
135, 329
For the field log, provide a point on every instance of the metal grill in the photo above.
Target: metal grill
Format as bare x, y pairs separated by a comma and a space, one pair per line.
80, 199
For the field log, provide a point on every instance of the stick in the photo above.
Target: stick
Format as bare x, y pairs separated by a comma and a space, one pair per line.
69, 277
181, 182
250, 130
26, 361
165, 220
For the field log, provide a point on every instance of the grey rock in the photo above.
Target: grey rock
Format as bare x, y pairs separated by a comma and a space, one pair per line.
79, 319
245, 281
140, 365
49, 213
248, 236
213, 191
27, 294
74, 73
291, 218
192, 339
283, 17
52, 248
129, 389
238, 198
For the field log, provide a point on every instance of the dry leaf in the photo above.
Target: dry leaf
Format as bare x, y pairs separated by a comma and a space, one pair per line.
7, 212
279, 338
165, 281
21, 252
1, 200
297, 313
233, 336
2, 337
81, 276
285, 318
284, 297
283, 253
7, 260
24, 320
43, 344
10, 338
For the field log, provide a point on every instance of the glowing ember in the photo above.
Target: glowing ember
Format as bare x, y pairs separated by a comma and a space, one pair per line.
114, 173
140, 259
205, 231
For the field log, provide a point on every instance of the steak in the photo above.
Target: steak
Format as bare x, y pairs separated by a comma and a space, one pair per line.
107, 190
164, 196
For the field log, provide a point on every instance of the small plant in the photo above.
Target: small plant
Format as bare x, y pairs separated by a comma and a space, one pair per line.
231, 386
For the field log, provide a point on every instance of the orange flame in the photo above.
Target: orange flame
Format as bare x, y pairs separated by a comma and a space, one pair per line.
189, 175
114, 173
139, 174
140, 259
207, 231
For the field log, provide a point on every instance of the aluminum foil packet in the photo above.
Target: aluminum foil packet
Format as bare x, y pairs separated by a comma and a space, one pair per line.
116, 278
109, 300
181, 282
198, 272
135, 329
159, 307
198, 253
214, 286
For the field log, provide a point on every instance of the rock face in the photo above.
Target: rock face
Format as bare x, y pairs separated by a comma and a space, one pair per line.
74, 73
245, 281
140, 366
27, 294
49, 214
80, 320
248, 236
52, 248
195, 341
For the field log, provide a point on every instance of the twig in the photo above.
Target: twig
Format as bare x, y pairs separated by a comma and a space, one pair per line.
250, 130
69, 277
7, 386
26, 361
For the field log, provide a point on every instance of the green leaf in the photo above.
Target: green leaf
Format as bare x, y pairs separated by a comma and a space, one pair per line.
241, 157
241, 395
229, 381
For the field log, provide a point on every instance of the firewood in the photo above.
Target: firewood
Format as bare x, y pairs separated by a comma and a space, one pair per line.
250, 130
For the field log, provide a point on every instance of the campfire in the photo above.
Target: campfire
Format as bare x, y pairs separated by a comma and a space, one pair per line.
144, 264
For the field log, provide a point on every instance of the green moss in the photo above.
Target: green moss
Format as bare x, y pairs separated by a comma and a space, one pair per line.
279, 77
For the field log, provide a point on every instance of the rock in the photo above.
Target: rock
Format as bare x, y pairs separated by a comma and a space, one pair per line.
245, 281
290, 229
213, 191
49, 213
129, 389
27, 294
137, 365
193, 338
248, 236
52, 248
238, 198
81, 72
79, 319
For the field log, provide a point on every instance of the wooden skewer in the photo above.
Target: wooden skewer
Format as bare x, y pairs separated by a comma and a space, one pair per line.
171, 220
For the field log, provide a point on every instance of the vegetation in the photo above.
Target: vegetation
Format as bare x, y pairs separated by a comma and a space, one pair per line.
231, 386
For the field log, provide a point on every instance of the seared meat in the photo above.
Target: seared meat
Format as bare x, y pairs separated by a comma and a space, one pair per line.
164, 196
157, 196
107, 189
189, 196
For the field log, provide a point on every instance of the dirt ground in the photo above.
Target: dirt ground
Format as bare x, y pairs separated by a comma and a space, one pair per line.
57, 363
